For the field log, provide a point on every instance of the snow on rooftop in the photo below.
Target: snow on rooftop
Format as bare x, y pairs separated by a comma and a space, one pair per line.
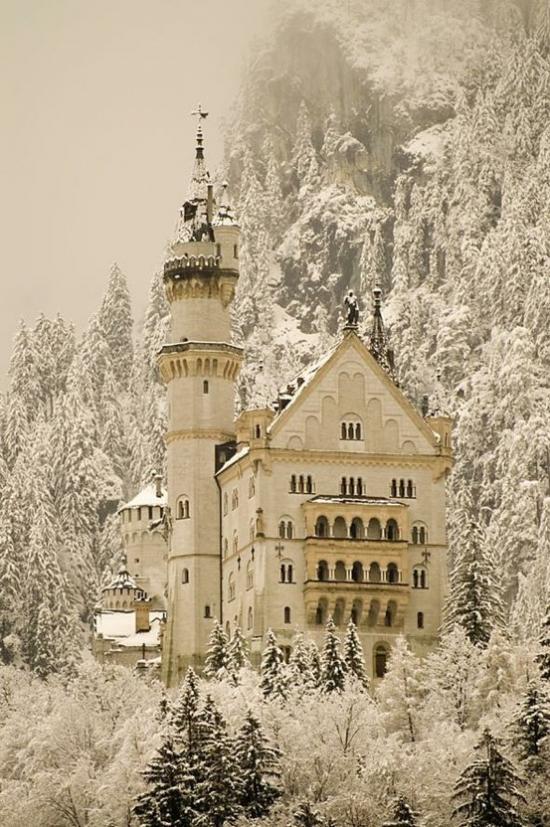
343, 499
147, 496
235, 458
121, 627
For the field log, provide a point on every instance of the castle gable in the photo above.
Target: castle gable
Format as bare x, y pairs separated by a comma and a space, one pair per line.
349, 403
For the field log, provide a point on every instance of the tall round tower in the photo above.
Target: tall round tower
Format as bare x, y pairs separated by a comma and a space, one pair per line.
200, 366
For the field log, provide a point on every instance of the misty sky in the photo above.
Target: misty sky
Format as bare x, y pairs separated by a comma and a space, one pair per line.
96, 140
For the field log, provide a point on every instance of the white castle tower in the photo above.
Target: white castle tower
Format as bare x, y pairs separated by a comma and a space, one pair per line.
199, 366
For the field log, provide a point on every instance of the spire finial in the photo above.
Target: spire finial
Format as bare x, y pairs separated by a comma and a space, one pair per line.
200, 115
378, 344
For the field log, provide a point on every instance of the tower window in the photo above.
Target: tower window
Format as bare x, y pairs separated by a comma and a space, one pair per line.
420, 620
207, 612
257, 431
293, 484
287, 614
235, 251
182, 509
185, 576
380, 661
218, 250
205, 386
250, 617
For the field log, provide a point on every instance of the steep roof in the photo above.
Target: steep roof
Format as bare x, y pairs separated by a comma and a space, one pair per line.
147, 496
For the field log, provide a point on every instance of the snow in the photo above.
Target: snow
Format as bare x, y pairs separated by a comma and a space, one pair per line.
321, 498
147, 497
428, 144
121, 627
235, 458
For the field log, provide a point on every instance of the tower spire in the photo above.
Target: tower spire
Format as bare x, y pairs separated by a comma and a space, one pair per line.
194, 221
378, 341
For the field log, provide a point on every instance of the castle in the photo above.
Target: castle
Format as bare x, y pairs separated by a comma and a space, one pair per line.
331, 503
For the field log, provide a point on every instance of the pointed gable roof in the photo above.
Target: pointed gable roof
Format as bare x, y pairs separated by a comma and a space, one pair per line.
314, 377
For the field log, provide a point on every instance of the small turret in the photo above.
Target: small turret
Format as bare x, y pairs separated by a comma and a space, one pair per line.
377, 341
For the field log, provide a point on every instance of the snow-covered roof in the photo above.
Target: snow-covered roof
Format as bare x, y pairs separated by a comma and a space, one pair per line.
122, 580
235, 458
355, 500
147, 496
121, 627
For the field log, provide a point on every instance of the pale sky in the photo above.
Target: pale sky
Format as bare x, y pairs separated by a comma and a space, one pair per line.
96, 141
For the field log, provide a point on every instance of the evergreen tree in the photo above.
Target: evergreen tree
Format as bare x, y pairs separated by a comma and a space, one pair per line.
184, 717
115, 321
353, 655
258, 768
273, 672
10, 589
333, 670
306, 816
300, 671
402, 690
217, 792
217, 654
237, 653
532, 721
403, 815
164, 804
543, 654
488, 790
304, 157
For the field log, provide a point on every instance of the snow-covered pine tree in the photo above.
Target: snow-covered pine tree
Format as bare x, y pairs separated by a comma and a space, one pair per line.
543, 655
216, 794
354, 659
258, 766
273, 670
237, 653
402, 814
532, 721
402, 689
300, 672
217, 653
305, 816
10, 589
164, 803
487, 792
333, 669
184, 716
116, 323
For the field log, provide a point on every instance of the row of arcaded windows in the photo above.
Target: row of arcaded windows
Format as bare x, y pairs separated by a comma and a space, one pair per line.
403, 488
351, 430
357, 573
356, 529
144, 512
350, 486
301, 484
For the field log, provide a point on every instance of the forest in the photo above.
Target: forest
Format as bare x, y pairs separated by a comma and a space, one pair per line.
405, 145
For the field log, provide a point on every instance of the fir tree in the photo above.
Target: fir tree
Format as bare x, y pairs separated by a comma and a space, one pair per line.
184, 716
217, 655
164, 804
543, 654
532, 721
306, 816
488, 790
401, 692
258, 768
300, 671
115, 320
217, 792
402, 816
353, 655
237, 653
10, 589
333, 670
273, 672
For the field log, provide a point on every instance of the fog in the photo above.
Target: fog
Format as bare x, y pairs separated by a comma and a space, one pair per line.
96, 140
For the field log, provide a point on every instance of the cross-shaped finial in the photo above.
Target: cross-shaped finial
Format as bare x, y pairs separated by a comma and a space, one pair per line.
426, 555
199, 113
279, 548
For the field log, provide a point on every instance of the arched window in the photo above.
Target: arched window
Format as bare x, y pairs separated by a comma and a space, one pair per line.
419, 534
207, 612
357, 529
393, 488
182, 508
359, 487
301, 484
205, 386
289, 530
283, 573
375, 575
357, 572
293, 484
420, 578
420, 620
339, 529
352, 486
410, 488
321, 613
231, 587
250, 618
249, 575
185, 576
286, 614
344, 434
357, 430
374, 529
235, 542
257, 432
309, 485
401, 488
340, 571
392, 573
228, 628
380, 660
290, 573
392, 530
322, 570
344, 486
282, 529
321, 527
351, 430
